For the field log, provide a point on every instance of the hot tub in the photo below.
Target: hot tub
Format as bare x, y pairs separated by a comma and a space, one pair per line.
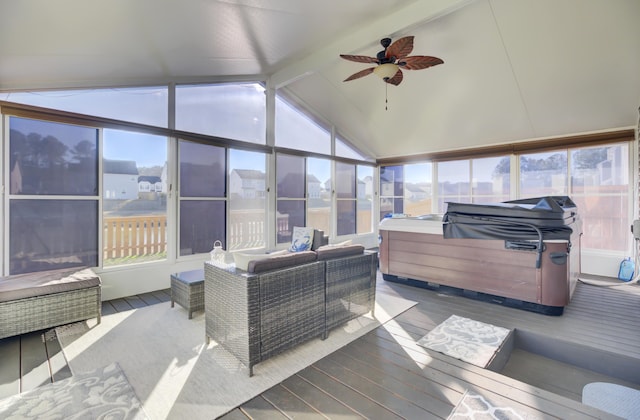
522, 253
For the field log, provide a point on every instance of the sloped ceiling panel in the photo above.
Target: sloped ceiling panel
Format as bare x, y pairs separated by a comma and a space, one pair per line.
577, 63
513, 71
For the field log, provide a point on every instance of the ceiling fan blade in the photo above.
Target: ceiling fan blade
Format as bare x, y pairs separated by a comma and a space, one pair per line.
396, 79
359, 58
419, 62
360, 74
401, 48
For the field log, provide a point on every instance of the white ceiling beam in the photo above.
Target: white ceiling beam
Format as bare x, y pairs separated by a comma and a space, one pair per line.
403, 19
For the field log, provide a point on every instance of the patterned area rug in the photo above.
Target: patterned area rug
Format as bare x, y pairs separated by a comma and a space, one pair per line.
103, 393
177, 375
465, 339
475, 406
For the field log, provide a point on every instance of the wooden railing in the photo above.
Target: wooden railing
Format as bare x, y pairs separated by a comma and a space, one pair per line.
143, 236
134, 236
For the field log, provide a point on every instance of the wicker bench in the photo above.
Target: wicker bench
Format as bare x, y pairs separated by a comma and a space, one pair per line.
286, 300
36, 301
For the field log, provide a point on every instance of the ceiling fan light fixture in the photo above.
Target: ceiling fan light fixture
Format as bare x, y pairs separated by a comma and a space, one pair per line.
386, 71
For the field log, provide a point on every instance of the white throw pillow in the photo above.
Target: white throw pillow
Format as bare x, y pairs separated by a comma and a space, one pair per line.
302, 239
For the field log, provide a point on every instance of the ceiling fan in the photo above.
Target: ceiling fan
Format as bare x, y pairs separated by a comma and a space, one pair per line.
391, 60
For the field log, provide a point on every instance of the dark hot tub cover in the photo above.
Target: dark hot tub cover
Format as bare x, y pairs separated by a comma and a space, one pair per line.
538, 218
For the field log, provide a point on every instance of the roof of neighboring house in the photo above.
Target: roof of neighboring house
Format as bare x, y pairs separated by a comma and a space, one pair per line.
249, 173
414, 188
127, 167
149, 178
312, 178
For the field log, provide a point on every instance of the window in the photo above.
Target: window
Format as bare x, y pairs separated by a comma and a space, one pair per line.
365, 195
202, 180
543, 174
453, 183
391, 190
343, 149
600, 189
346, 190
417, 189
247, 199
490, 179
234, 111
319, 194
53, 196
134, 206
144, 105
290, 207
296, 130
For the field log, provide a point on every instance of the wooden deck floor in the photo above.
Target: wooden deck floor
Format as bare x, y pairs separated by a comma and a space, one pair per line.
385, 374
31, 360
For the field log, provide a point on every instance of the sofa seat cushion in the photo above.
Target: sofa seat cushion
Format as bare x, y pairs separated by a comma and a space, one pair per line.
330, 251
281, 261
21, 286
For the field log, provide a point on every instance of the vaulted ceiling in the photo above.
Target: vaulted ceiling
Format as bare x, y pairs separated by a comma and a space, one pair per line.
513, 70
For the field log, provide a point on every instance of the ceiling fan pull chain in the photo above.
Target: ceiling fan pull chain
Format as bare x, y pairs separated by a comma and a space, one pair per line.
386, 101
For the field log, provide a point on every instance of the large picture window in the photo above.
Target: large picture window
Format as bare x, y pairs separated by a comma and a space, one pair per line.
53, 196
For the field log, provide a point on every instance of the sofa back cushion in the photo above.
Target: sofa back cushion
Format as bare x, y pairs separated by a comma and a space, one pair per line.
319, 239
281, 261
329, 251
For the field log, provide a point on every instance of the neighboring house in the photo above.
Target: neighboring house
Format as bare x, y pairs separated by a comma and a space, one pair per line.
414, 192
148, 183
314, 186
247, 183
164, 177
361, 190
368, 186
120, 179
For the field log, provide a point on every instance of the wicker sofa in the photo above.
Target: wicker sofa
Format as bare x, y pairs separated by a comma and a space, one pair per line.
286, 300
36, 301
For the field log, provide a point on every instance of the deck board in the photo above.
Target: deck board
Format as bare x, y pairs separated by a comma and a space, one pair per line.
290, 404
385, 374
259, 408
351, 396
318, 399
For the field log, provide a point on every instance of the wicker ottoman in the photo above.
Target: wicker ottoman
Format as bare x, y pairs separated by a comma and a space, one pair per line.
187, 289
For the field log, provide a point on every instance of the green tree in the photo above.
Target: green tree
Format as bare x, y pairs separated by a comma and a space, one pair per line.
589, 158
